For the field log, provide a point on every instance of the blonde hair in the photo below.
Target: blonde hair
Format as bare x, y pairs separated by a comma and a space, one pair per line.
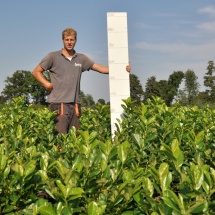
69, 32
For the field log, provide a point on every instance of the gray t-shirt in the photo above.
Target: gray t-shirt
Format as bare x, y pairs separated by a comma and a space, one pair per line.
65, 75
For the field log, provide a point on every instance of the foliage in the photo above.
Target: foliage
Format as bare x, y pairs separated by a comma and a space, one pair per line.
152, 88
209, 80
161, 161
86, 100
174, 82
191, 85
189, 94
101, 101
166, 90
136, 89
97, 119
23, 83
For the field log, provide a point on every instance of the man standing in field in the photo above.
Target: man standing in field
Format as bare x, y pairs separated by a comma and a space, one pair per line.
66, 67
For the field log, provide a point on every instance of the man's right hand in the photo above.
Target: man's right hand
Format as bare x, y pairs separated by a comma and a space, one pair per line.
37, 73
49, 87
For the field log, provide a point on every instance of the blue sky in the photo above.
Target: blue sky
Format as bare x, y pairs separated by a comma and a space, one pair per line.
163, 36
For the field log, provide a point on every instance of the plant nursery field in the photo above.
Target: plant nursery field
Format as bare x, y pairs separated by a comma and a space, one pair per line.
161, 161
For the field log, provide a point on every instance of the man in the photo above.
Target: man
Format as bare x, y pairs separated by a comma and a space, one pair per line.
66, 67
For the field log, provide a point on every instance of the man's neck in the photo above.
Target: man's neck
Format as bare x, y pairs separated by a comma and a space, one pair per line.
68, 53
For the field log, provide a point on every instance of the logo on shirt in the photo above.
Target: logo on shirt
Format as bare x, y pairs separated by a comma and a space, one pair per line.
78, 65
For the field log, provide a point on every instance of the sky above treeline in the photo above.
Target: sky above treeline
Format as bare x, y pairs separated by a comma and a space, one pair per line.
163, 36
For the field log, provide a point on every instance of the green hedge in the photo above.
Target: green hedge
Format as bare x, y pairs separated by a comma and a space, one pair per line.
161, 161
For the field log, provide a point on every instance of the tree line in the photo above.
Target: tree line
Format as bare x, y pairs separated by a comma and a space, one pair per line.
169, 90
23, 83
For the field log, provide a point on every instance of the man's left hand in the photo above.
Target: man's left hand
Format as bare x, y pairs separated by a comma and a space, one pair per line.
128, 68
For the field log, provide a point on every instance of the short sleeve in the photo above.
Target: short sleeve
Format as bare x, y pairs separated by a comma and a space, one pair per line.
47, 62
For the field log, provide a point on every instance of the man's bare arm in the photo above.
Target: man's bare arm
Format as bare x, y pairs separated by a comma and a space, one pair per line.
38, 74
105, 69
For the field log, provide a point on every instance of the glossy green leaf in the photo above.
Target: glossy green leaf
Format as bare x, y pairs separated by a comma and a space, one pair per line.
165, 210
47, 210
32, 150
29, 168
154, 172
19, 131
127, 176
103, 165
44, 162
169, 202
178, 201
78, 163
18, 168
177, 153
14, 198
60, 167
168, 152
3, 162
164, 176
76, 191
93, 208
198, 208
66, 210
122, 153
139, 140
6, 172
113, 152
139, 198
101, 209
206, 187
59, 207
43, 175
105, 147
148, 186
212, 171
92, 137
198, 177
143, 119
7, 209
64, 190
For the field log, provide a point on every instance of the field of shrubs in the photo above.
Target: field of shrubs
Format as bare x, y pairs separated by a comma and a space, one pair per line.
160, 162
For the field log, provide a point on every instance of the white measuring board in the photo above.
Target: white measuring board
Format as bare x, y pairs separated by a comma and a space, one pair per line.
119, 83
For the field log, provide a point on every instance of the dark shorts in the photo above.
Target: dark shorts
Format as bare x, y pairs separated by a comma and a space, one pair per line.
65, 116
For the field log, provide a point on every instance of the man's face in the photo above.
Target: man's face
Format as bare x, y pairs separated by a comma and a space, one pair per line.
69, 42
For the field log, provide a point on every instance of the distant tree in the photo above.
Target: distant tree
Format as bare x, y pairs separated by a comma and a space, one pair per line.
83, 99
191, 86
2, 100
209, 80
86, 100
167, 90
202, 99
23, 83
152, 88
101, 101
174, 82
39, 93
89, 100
181, 97
136, 89
163, 88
